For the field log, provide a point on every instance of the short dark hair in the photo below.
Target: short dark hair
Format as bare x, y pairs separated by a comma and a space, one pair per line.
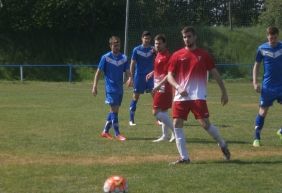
146, 33
272, 30
189, 29
160, 37
114, 38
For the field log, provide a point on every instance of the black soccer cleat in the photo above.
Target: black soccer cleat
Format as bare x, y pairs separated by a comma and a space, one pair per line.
226, 152
180, 161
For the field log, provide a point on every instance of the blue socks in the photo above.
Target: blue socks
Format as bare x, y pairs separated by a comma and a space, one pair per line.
108, 124
112, 120
258, 126
132, 109
114, 117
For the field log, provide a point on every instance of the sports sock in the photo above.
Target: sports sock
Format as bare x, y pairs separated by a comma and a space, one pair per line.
258, 126
114, 117
181, 143
164, 130
164, 118
213, 131
132, 109
108, 124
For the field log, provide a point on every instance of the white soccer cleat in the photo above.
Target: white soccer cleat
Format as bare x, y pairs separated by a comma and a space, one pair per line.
162, 138
131, 123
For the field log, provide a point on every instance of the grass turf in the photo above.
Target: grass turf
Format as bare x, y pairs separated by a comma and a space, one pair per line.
49, 142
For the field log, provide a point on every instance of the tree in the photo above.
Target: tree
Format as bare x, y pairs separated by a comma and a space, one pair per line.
272, 14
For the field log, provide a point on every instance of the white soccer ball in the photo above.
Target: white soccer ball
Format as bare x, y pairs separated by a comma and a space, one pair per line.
115, 184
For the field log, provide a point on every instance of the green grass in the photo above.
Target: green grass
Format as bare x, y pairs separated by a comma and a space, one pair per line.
49, 142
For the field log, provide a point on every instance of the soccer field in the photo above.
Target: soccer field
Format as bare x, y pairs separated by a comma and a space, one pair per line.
50, 143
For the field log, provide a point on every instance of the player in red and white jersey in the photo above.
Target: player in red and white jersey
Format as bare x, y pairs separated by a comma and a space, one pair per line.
187, 73
162, 91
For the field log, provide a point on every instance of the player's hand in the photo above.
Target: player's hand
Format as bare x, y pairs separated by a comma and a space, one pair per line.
129, 82
257, 87
94, 90
182, 91
149, 75
224, 99
155, 89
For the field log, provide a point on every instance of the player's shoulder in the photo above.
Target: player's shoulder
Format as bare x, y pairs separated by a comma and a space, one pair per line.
179, 52
123, 56
139, 47
108, 54
264, 45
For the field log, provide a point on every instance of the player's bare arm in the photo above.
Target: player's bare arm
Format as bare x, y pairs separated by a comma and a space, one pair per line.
216, 76
132, 68
255, 77
149, 75
95, 83
127, 76
163, 81
171, 80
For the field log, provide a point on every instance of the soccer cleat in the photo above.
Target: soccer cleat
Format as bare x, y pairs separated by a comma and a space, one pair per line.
279, 133
180, 161
120, 137
131, 123
162, 138
226, 152
106, 135
256, 143
172, 138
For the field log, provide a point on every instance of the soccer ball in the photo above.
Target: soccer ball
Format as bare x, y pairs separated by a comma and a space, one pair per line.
115, 184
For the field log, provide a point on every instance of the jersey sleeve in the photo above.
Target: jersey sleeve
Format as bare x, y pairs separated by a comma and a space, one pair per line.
102, 64
259, 56
134, 54
172, 63
210, 62
126, 65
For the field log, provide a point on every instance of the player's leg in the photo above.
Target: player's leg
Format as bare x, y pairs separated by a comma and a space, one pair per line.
180, 113
132, 108
266, 100
161, 103
114, 106
166, 124
201, 113
107, 127
259, 122
213, 131
279, 132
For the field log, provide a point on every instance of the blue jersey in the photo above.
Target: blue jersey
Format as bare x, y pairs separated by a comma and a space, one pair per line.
113, 68
272, 62
144, 58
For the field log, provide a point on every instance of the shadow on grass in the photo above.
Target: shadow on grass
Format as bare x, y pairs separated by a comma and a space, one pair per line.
240, 162
210, 141
188, 140
141, 138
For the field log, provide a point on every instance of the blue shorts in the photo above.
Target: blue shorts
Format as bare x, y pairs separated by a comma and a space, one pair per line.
268, 96
113, 99
141, 85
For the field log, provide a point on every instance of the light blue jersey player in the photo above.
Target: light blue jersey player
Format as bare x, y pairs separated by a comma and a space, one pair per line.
113, 64
270, 53
141, 64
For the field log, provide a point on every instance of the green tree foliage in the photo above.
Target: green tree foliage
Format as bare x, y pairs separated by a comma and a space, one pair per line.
62, 15
272, 14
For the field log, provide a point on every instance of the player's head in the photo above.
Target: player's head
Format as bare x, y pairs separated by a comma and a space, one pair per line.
272, 35
160, 42
114, 42
146, 38
189, 36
